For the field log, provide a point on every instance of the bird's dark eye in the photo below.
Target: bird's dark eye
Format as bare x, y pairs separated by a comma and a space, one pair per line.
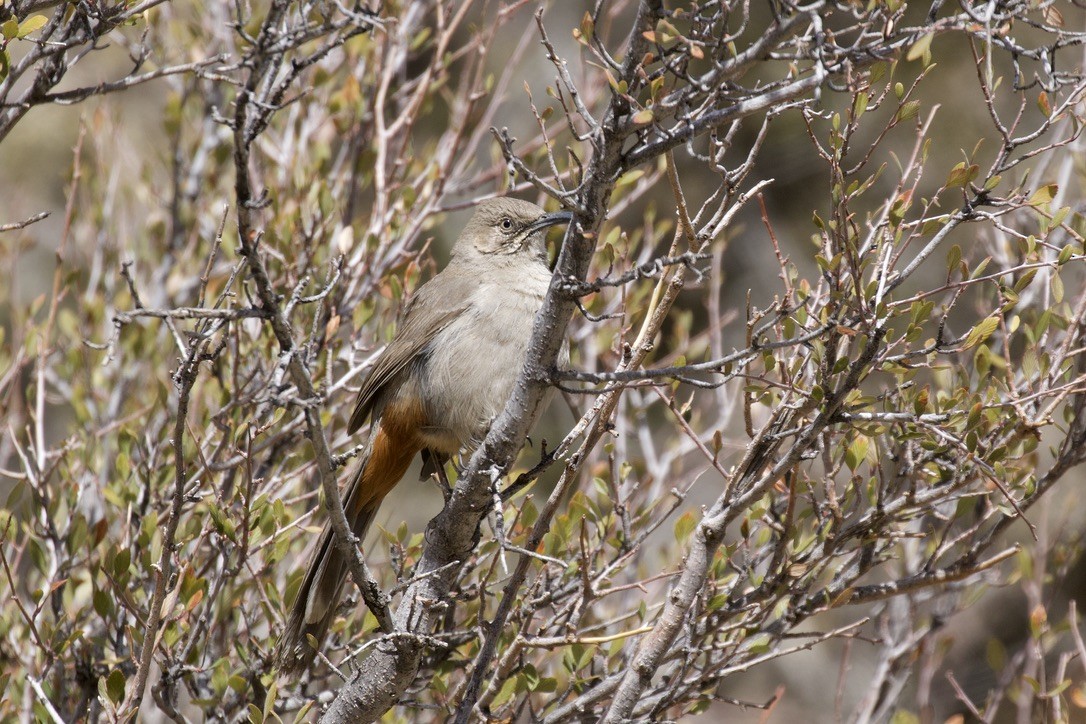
506, 223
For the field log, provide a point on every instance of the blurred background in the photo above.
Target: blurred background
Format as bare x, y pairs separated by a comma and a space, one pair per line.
127, 136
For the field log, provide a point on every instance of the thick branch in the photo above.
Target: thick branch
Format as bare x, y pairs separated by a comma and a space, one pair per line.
453, 534
248, 115
710, 533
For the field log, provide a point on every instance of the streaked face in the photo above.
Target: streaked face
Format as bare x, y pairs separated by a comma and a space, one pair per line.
511, 226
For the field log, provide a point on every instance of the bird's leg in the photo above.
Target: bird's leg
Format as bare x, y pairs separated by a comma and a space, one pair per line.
434, 466
443, 482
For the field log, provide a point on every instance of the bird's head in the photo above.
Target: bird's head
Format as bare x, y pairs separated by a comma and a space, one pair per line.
506, 226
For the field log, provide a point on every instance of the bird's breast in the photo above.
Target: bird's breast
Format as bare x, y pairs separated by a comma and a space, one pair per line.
473, 363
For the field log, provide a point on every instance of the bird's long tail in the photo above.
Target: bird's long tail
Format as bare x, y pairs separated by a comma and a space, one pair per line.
382, 465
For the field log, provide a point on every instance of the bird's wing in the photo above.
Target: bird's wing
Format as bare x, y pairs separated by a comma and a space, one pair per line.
436, 304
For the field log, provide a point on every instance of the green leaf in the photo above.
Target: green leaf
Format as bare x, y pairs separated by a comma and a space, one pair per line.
908, 110
859, 105
547, 685
121, 561
961, 175
856, 452
269, 702
979, 268
28, 26
1059, 217
758, 644
953, 258
1025, 280
115, 686
921, 49
685, 525
10, 28
1043, 195
981, 332
587, 25
103, 604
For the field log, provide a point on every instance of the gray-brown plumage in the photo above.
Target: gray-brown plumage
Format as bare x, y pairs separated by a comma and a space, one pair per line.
436, 387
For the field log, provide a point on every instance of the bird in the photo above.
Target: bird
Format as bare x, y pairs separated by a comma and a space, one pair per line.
437, 386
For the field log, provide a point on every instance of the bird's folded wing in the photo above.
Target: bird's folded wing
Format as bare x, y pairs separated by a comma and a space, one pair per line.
432, 309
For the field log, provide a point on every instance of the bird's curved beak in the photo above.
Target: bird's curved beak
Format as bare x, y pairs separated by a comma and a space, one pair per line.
548, 220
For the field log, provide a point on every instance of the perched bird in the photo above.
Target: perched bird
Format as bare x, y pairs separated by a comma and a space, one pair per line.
437, 386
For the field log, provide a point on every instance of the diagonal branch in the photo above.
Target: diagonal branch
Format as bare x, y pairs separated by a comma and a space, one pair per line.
251, 115
453, 533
